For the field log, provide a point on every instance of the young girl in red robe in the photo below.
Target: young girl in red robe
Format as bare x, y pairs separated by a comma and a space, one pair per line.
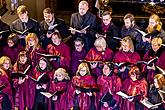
108, 82
135, 86
33, 48
21, 84
80, 94
6, 96
43, 74
59, 85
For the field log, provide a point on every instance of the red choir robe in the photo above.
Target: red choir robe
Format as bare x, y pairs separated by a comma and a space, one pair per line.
34, 56
22, 91
94, 55
84, 100
61, 50
124, 57
60, 103
12, 52
6, 91
33, 84
106, 83
160, 62
133, 88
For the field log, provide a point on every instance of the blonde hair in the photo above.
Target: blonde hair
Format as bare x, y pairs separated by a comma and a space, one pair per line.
127, 40
160, 79
101, 42
3, 59
21, 9
33, 36
156, 19
2, 72
129, 16
156, 41
61, 71
83, 2
81, 65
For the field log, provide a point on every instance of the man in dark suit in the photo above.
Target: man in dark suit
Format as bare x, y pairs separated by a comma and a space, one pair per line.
23, 25
49, 25
82, 24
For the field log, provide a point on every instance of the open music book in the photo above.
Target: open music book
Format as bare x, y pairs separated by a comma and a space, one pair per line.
149, 105
125, 96
106, 97
20, 32
148, 35
120, 65
79, 31
150, 62
52, 27
42, 79
48, 55
1, 32
49, 95
161, 70
87, 89
16, 75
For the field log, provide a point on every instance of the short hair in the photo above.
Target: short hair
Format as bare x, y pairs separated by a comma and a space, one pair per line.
106, 13
63, 71
100, 42
129, 16
48, 10
79, 39
156, 41
21, 9
83, 2
160, 79
14, 37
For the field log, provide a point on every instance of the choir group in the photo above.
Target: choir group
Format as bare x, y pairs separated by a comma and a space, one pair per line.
93, 65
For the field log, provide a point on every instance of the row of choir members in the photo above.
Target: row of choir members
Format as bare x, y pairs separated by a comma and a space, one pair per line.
83, 24
83, 91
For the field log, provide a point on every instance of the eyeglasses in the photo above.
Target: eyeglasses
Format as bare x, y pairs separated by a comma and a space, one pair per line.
78, 45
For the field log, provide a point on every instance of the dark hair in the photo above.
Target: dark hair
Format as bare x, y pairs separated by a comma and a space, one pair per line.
135, 70
48, 65
14, 37
79, 39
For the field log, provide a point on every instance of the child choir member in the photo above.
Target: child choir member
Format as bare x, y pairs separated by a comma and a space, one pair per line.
21, 84
6, 96
41, 77
157, 92
126, 54
76, 55
99, 53
59, 85
135, 86
110, 83
58, 48
33, 48
80, 94
12, 48
5, 65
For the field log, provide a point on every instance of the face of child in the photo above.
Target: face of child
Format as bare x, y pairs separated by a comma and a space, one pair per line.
23, 59
106, 70
83, 71
42, 64
60, 76
31, 42
55, 39
10, 43
133, 77
6, 64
